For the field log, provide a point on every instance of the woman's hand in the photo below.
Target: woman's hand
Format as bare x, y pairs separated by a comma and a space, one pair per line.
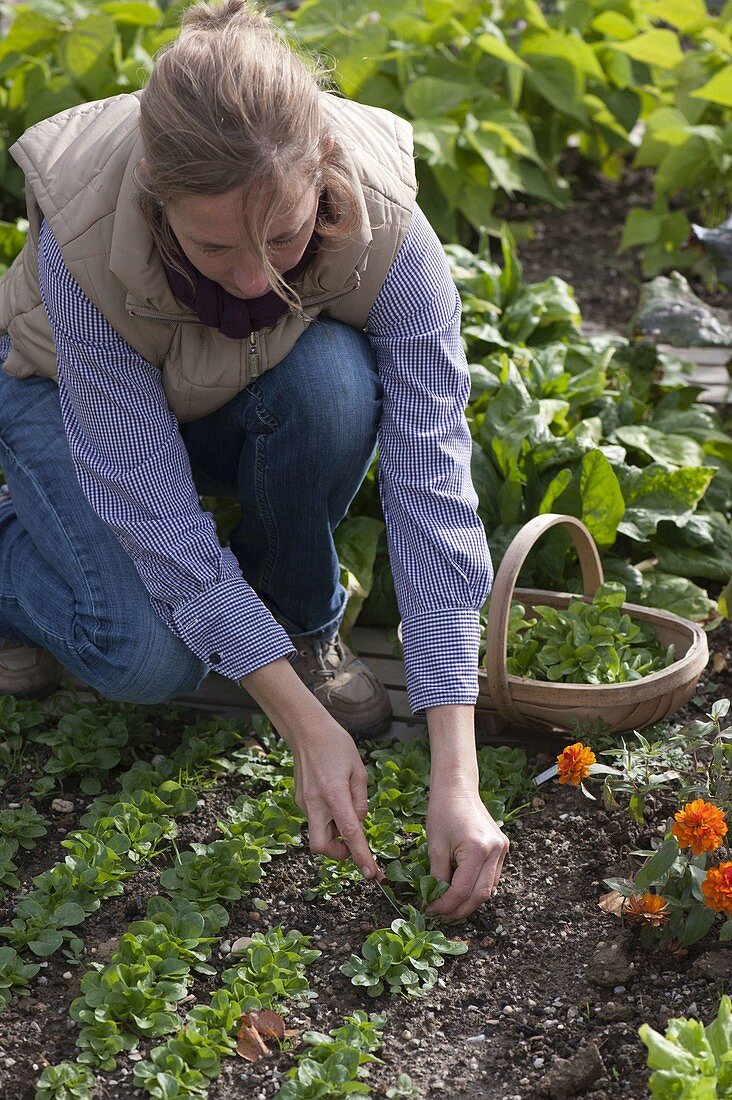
466, 847
330, 786
330, 779
461, 834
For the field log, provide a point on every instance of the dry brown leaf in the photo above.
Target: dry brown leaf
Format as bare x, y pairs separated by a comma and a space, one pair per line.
719, 664
612, 902
255, 1024
249, 1043
268, 1023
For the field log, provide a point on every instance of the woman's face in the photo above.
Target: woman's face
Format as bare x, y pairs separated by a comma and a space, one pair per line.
210, 232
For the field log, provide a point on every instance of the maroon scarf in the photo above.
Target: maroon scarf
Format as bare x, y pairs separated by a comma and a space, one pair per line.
234, 317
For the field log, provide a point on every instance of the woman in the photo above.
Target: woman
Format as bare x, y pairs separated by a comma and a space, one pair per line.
227, 277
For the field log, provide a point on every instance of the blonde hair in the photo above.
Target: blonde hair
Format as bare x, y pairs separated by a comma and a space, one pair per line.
230, 104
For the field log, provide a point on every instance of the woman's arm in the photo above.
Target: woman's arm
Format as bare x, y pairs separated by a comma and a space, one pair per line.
442, 569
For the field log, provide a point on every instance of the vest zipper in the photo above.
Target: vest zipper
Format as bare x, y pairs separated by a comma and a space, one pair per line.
334, 297
253, 356
169, 318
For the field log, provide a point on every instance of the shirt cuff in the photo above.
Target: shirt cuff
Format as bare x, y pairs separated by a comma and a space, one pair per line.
229, 628
441, 658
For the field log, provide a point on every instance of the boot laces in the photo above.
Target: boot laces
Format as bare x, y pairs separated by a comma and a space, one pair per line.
320, 651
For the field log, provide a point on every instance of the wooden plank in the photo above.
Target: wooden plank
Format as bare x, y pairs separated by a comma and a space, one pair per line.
368, 641
707, 356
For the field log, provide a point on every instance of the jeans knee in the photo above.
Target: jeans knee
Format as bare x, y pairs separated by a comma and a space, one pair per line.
152, 668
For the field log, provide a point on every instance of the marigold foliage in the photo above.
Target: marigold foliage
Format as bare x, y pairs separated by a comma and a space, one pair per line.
717, 888
699, 826
573, 763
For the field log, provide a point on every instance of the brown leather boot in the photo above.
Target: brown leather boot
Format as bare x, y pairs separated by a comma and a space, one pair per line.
28, 673
345, 686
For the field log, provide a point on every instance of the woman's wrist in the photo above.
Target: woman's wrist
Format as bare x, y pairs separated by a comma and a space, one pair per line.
452, 747
283, 697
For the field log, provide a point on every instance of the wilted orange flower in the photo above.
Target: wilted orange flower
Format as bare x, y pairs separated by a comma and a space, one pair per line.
717, 888
646, 909
699, 826
573, 763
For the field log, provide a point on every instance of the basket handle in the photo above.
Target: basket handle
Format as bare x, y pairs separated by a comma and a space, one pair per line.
503, 587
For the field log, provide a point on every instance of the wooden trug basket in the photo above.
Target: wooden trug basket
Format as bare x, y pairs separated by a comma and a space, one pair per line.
622, 707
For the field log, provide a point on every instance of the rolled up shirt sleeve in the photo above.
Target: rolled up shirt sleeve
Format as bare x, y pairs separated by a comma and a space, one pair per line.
437, 544
133, 467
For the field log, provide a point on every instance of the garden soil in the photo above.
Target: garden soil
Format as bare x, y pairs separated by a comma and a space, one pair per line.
549, 997
546, 1002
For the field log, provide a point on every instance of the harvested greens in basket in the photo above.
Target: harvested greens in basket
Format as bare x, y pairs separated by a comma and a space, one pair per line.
584, 643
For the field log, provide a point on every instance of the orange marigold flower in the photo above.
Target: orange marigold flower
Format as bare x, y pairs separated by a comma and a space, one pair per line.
646, 909
699, 826
573, 763
717, 888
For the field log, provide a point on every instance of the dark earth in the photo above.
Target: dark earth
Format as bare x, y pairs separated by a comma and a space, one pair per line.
549, 997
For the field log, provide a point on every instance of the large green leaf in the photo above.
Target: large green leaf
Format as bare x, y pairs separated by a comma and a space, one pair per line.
671, 450
655, 494
357, 539
30, 33
718, 89
659, 48
677, 595
429, 95
86, 51
497, 47
602, 500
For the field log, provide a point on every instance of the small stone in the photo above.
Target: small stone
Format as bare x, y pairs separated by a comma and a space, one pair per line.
135, 1056
406, 1034
570, 1076
613, 1013
715, 964
255, 917
240, 945
67, 975
609, 967
224, 947
538, 1063
62, 806
13, 805
9, 1062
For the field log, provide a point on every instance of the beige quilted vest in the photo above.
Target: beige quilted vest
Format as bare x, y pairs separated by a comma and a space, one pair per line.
78, 169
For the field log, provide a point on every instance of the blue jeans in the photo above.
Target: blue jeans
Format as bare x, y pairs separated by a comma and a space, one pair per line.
293, 448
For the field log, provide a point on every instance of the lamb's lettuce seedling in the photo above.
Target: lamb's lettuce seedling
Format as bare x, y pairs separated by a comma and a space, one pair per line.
8, 878
24, 825
65, 1081
403, 958
222, 870
335, 1065
272, 970
14, 974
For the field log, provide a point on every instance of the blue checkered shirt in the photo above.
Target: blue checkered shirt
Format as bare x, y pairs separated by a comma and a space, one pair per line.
133, 467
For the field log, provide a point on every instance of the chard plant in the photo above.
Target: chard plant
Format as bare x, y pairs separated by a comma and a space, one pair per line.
403, 958
691, 1060
335, 1064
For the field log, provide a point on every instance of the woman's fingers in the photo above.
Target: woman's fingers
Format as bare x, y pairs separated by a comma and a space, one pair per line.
336, 832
